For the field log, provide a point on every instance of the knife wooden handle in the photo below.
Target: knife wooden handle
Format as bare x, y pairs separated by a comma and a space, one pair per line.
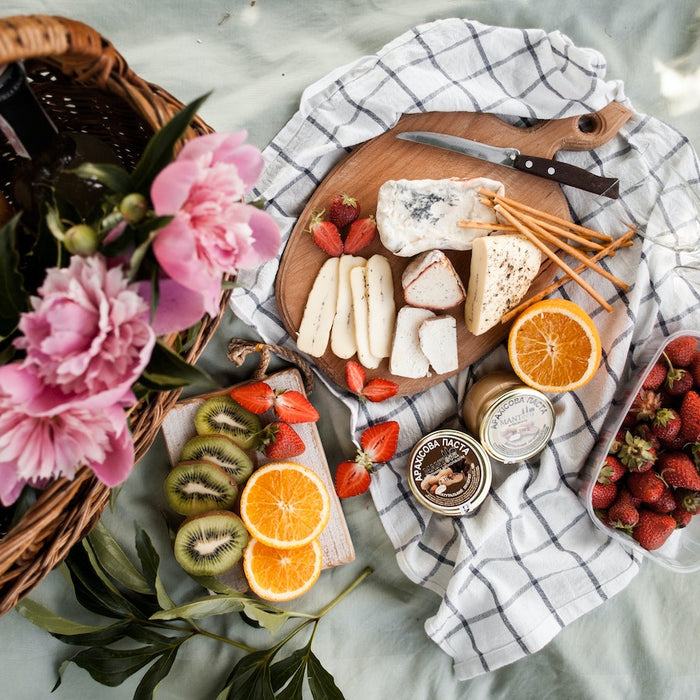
568, 175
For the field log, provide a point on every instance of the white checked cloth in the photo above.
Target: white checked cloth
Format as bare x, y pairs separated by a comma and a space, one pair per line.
530, 561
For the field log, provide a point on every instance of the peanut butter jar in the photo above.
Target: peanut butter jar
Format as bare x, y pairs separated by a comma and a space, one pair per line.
449, 472
512, 421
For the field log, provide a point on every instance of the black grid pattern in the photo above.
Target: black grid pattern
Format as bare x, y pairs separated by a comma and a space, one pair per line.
530, 561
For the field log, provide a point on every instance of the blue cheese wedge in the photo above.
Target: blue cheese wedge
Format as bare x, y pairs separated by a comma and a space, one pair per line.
502, 269
418, 215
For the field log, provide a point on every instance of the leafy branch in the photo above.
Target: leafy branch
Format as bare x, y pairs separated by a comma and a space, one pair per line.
108, 584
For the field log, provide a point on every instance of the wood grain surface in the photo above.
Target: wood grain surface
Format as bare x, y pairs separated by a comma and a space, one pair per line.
337, 547
385, 157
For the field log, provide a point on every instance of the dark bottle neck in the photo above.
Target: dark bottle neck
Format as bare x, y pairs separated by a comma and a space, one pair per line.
23, 120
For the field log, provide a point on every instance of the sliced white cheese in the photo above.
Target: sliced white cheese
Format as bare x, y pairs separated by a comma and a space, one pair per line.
417, 215
407, 359
438, 341
343, 342
380, 305
431, 282
502, 270
358, 291
319, 312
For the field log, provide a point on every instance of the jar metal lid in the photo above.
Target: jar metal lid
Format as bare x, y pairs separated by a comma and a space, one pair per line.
449, 472
517, 425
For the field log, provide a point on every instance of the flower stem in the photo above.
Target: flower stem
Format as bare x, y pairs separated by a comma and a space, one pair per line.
365, 573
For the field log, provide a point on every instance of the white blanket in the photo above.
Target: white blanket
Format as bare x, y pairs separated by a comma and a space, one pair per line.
530, 561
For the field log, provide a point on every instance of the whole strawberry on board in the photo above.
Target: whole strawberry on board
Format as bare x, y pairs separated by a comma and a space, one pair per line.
343, 210
378, 443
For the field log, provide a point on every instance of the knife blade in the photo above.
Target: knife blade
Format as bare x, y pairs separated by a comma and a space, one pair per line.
511, 157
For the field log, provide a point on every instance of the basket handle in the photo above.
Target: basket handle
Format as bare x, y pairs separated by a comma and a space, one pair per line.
239, 349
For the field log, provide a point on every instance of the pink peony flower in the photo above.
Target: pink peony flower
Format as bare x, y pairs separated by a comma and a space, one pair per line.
88, 337
212, 232
36, 446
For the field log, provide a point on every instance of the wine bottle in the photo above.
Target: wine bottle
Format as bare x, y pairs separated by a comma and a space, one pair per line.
44, 153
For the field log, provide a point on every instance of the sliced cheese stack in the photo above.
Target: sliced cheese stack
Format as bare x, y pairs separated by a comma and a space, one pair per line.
502, 270
418, 215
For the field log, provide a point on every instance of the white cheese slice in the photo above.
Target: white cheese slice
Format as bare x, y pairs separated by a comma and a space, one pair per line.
431, 282
407, 359
381, 307
502, 270
358, 290
319, 312
438, 341
343, 342
417, 215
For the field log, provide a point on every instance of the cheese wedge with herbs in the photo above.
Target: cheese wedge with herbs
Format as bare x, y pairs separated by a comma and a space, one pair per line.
319, 312
417, 215
343, 342
502, 269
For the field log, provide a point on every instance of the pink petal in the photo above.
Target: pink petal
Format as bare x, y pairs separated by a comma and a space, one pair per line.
119, 461
10, 485
266, 239
171, 186
179, 308
204, 146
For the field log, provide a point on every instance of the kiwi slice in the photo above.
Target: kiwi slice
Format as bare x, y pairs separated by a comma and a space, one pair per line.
198, 487
210, 544
221, 414
219, 450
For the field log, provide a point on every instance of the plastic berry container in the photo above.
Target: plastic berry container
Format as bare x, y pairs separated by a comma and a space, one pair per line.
681, 551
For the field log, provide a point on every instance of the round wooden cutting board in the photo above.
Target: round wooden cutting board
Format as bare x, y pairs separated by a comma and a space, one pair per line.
388, 158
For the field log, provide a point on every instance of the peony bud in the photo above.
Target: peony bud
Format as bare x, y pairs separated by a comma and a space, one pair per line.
81, 239
133, 207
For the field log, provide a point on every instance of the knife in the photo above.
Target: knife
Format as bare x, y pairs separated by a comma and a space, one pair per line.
512, 158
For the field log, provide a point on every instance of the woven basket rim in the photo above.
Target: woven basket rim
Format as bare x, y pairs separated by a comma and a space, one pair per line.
68, 510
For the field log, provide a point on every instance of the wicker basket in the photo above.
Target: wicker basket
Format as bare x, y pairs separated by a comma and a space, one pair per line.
85, 85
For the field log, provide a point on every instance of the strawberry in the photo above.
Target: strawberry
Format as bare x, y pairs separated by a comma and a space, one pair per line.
653, 529
603, 495
362, 232
655, 377
636, 453
666, 424
688, 500
694, 368
355, 376
666, 501
326, 235
612, 470
682, 517
379, 389
647, 486
690, 416
343, 210
623, 512
351, 479
293, 407
677, 469
282, 441
379, 441
645, 405
680, 352
257, 397
678, 382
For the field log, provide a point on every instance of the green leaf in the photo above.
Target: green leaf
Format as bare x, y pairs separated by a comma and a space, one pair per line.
144, 235
15, 298
288, 674
115, 561
146, 689
103, 637
112, 667
166, 370
51, 622
111, 176
321, 682
150, 562
250, 677
202, 607
160, 149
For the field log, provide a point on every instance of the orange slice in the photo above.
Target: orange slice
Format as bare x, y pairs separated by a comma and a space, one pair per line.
281, 574
285, 505
554, 346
